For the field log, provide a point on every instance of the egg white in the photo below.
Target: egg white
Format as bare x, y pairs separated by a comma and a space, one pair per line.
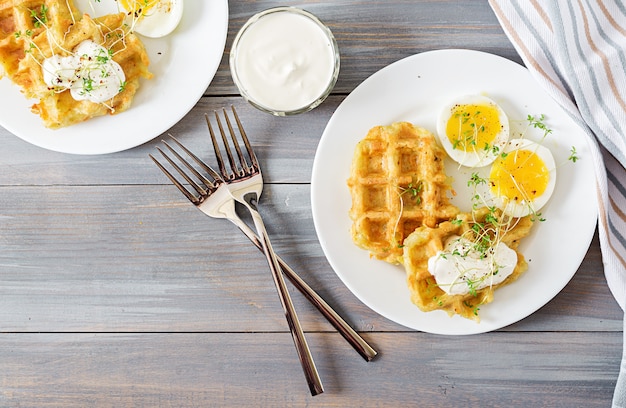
158, 21
524, 207
479, 157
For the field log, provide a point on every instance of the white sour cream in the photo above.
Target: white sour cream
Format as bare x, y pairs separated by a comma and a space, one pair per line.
459, 269
284, 60
89, 73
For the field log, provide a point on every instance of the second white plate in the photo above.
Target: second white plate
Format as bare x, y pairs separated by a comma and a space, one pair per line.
183, 63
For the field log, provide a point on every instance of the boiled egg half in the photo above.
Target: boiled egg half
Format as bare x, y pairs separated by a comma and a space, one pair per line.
153, 18
473, 130
522, 179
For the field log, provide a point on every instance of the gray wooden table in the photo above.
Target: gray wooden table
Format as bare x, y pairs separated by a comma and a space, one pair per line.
116, 292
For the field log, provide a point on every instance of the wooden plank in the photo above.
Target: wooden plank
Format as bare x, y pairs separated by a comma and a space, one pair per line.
285, 146
261, 369
373, 34
141, 258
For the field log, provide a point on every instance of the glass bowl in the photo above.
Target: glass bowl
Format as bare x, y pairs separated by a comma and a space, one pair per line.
284, 61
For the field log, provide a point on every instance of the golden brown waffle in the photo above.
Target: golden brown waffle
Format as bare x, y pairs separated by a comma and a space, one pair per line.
425, 242
398, 183
22, 20
32, 30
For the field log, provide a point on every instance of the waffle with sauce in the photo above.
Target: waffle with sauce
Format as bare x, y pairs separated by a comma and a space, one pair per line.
425, 242
33, 30
397, 183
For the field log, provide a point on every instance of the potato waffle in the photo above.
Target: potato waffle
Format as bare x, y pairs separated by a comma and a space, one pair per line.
398, 183
18, 24
32, 31
425, 242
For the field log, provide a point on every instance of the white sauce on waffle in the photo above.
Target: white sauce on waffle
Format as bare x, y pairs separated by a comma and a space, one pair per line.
89, 73
461, 269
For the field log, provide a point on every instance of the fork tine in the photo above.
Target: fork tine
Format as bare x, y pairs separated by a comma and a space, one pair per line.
200, 189
255, 162
216, 149
200, 163
173, 179
207, 187
236, 172
247, 170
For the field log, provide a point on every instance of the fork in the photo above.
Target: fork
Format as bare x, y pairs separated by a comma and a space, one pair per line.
214, 199
245, 184
218, 203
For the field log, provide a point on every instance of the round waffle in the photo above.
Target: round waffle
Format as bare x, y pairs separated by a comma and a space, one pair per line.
398, 183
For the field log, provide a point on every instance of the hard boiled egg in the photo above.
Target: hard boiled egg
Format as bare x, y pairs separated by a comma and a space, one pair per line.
153, 18
473, 129
522, 179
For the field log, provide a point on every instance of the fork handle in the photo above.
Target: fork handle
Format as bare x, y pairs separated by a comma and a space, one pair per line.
304, 354
352, 337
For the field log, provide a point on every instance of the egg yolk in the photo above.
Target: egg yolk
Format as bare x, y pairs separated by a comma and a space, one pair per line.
520, 175
139, 7
473, 127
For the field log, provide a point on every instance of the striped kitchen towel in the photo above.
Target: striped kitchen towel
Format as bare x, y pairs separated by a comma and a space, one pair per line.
576, 50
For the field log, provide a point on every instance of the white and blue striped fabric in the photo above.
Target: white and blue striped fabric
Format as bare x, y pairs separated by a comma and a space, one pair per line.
576, 49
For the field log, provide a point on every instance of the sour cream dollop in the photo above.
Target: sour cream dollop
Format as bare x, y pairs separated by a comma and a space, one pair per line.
460, 269
89, 73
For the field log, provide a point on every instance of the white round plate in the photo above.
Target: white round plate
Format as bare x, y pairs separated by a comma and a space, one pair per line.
183, 65
414, 89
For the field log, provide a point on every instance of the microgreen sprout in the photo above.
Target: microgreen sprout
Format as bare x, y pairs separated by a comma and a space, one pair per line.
31, 47
103, 56
475, 180
472, 285
457, 222
39, 18
538, 123
88, 84
413, 190
535, 216
475, 308
573, 157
